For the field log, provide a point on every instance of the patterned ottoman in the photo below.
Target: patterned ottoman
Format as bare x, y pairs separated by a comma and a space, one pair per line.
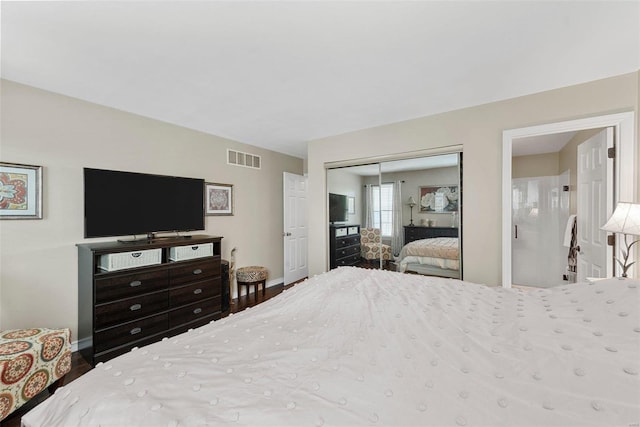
31, 360
251, 276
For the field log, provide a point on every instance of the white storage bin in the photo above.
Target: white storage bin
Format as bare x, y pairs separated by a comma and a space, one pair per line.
181, 253
124, 260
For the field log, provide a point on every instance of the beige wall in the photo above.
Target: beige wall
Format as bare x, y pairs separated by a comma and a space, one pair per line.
341, 181
535, 165
38, 260
479, 129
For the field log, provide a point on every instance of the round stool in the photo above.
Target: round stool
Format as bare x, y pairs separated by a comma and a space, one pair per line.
251, 276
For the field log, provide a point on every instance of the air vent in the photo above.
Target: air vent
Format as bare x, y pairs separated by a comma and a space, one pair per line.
247, 160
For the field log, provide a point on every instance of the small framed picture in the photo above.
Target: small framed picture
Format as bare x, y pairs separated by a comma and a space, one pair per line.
218, 199
351, 204
20, 191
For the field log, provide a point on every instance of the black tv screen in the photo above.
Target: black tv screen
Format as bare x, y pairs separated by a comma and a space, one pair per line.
120, 203
338, 208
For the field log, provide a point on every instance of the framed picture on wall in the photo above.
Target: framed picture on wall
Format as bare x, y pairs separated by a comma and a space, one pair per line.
20, 191
439, 199
218, 199
351, 205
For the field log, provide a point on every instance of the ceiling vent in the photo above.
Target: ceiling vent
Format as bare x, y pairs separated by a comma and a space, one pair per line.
247, 160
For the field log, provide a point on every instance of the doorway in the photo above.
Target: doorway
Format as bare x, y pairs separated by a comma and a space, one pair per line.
623, 176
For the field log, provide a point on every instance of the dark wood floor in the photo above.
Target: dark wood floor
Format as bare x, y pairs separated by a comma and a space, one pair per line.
79, 366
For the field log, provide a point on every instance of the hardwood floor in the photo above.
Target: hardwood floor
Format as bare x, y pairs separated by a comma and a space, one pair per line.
79, 366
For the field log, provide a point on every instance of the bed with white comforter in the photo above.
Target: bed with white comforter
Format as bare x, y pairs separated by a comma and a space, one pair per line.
438, 256
370, 347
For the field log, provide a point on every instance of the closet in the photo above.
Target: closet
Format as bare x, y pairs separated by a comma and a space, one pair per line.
396, 196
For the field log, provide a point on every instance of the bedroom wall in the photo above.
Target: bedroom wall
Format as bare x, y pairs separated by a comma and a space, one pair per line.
479, 130
341, 181
38, 259
535, 165
413, 180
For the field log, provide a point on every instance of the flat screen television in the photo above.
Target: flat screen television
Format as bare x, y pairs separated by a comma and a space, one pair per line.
120, 203
338, 208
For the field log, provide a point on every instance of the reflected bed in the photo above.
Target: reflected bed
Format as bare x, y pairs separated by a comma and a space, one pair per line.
439, 256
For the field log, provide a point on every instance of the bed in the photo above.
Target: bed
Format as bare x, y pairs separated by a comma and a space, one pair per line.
370, 347
439, 256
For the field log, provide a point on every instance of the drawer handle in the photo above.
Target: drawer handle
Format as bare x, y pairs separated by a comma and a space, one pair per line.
135, 283
197, 291
136, 254
197, 271
135, 331
197, 311
135, 307
194, 248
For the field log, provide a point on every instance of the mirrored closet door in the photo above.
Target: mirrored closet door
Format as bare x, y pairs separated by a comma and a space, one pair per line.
402, 215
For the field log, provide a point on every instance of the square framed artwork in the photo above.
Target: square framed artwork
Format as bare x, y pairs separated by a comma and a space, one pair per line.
20, 191
218, 199
439, 199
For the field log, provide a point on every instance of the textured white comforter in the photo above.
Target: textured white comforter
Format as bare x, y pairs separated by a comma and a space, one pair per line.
440, 252
369, 347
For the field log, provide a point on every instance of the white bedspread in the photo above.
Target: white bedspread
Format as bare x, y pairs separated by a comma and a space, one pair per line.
442, 252
370, 347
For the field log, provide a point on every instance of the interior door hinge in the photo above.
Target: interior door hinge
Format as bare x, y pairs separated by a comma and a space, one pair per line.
611, 152
611, 240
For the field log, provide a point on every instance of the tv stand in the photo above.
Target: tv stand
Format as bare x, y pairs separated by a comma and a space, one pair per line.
132, 307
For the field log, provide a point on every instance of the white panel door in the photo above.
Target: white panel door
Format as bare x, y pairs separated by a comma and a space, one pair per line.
595, 203
296, 231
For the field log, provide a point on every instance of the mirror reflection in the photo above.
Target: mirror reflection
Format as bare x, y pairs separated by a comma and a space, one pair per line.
400, 215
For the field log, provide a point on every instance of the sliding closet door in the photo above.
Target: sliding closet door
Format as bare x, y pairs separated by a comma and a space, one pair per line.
381, 193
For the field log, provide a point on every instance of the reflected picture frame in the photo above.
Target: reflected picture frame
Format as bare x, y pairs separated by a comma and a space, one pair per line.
439, 199
351, 205
20, 191
218, 199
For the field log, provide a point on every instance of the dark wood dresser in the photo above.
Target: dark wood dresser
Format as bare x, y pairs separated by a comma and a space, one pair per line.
344, 245
121, 308
415, 232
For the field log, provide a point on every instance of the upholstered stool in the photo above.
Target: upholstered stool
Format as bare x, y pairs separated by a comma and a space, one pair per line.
251, 276
30, 361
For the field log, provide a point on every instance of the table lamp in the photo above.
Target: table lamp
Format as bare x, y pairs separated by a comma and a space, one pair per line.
625, 220
411, 203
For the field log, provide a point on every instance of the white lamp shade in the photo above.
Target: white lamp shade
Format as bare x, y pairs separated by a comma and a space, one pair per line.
412, 201
625, 219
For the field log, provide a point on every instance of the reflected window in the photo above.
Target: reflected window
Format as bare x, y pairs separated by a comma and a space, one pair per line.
383, 208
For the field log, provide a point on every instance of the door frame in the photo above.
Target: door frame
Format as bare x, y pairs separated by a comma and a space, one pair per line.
624, 189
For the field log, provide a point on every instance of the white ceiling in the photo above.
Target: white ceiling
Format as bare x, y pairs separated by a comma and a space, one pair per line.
278, 74
551, 143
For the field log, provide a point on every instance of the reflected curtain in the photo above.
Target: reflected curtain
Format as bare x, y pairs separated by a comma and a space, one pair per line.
368, 205
397, 237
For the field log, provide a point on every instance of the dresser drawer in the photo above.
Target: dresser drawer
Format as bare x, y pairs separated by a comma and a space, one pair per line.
347, 241
194, 271
347, 252
130, 308
194, 311
112, 288
129, 332
350, 260
195, 292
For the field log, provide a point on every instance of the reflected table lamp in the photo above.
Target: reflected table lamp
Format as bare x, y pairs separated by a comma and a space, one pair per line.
625, 220
411, 203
